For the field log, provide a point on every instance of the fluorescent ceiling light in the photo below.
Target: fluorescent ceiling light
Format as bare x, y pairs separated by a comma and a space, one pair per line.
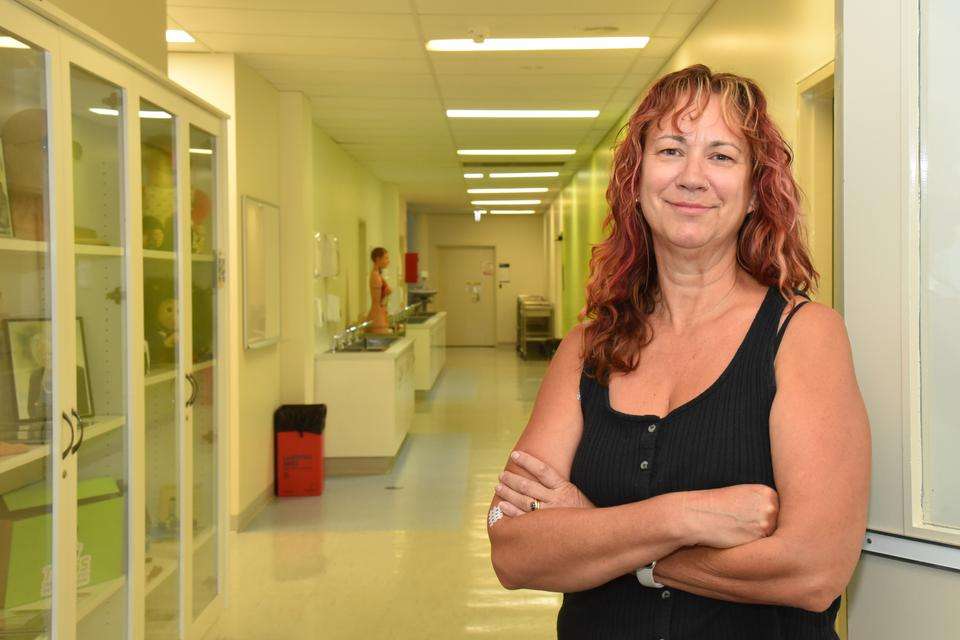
477, 213
527, 174
155, 115
473, 176
516, 152
179, 36
6, 42
522, 113
511, 212
510, 190
501, 202
539, 44
202, 152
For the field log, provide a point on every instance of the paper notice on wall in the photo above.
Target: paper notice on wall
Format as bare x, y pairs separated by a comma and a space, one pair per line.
332, 312
503, 272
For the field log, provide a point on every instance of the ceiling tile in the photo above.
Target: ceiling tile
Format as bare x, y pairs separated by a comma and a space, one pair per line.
266, 62
541, 7
691, 6
296, 23
339, 6
300, 45
540, 25
676, 25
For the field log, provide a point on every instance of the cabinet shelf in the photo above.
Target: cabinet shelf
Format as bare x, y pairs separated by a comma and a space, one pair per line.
18, 244
160, 374
202, 257
92, 429
158, 254
97, 250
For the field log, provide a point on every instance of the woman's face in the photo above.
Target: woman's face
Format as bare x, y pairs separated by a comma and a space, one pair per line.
695, 187
384, 261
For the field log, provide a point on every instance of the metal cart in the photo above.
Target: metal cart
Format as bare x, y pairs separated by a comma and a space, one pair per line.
534, 321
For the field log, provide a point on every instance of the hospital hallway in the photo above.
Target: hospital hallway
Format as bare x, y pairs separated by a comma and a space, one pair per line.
401, 555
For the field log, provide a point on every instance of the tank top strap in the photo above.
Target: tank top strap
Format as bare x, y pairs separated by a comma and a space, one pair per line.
783, 327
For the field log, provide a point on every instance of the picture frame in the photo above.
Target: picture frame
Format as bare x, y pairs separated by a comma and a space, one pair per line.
6, 217
260, 222
29, 344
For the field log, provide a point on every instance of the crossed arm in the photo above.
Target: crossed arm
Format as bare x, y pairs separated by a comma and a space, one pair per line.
820, 446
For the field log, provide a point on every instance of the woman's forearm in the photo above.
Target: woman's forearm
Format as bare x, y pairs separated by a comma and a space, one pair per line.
767, 571
568, 550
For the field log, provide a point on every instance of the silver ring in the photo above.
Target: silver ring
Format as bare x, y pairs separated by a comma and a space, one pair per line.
495, 514
534, 504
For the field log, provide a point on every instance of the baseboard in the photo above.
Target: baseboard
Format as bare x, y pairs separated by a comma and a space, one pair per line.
357, 466
240, 521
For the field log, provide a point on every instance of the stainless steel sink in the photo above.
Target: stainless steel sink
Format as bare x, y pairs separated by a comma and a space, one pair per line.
370, 343
420, 318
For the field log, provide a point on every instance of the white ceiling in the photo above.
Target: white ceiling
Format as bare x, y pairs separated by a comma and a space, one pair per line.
382, 96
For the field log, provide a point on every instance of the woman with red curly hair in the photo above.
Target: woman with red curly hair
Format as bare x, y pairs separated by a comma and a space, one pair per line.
691, 469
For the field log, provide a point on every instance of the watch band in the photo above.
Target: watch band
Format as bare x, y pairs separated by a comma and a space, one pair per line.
645, 576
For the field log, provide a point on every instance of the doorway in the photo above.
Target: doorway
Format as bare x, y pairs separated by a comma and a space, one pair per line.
363, 265
467, 293
815, 173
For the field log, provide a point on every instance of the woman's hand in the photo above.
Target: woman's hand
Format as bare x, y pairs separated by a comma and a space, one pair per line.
549, 488
731, 516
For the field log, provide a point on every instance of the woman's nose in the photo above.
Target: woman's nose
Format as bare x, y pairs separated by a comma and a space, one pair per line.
691, 177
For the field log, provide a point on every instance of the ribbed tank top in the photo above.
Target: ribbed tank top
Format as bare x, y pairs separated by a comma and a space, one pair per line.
719, 438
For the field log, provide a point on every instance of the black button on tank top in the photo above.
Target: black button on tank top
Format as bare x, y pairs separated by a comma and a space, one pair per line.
718, 439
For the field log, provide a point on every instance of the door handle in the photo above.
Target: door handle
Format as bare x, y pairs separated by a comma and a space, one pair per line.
76, 415
193, 390
73, 435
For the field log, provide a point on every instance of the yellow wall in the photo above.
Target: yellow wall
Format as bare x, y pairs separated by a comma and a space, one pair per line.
775, 43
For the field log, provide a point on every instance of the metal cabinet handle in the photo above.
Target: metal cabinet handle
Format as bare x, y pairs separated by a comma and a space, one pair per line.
73, 435
76, 415
193, 389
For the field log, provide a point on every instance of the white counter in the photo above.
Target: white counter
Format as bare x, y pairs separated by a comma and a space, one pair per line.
370, 399
430, 348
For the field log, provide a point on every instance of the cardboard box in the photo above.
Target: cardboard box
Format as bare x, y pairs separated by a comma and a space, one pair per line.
26, 527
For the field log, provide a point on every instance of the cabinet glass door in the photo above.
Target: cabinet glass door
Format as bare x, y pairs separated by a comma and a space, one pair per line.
27, 413
97, 109
203, 193
161, 406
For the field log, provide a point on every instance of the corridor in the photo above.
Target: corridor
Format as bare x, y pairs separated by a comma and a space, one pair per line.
404, 555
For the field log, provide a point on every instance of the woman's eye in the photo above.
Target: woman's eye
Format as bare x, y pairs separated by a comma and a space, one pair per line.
670, 152
723, 158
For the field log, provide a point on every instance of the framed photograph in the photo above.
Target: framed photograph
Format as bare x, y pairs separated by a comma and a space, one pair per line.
261, 273
30, 362
6, 222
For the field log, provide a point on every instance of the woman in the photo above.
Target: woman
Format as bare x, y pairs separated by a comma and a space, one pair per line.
379, 290
691, 469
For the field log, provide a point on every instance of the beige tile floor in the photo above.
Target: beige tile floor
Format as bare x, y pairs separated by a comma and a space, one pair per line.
405, 555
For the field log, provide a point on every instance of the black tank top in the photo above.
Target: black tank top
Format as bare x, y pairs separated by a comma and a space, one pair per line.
719, 438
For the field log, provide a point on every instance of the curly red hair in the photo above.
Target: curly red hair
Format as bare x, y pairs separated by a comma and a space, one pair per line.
623, 287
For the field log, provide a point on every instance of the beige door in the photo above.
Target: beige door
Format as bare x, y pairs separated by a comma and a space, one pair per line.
466, 292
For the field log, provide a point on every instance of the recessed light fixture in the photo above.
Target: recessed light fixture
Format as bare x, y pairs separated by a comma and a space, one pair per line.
523, 113
179, 36
510, 190
503, 202
6, 42
477, 213
516, 152
527, 174
511, 212
539, 44
202, 152
473, 176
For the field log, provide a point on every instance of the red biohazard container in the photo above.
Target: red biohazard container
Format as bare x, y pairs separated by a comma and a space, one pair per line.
298, 441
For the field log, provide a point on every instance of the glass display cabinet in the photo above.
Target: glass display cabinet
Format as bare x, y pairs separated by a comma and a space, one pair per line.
112, 517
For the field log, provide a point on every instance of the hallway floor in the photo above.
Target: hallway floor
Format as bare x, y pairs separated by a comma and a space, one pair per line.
405, 555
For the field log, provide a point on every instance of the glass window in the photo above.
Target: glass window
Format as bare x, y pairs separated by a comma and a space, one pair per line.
940, 263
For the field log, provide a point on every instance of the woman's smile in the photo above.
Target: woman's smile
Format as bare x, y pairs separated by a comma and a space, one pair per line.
690, 207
